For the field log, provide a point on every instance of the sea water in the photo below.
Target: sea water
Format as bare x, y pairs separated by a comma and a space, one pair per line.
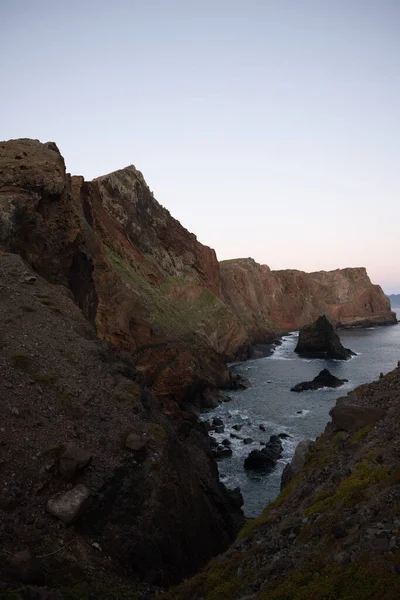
269, 402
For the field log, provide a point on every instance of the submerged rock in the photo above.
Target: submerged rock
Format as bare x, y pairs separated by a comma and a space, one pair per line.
320, 339
323, 379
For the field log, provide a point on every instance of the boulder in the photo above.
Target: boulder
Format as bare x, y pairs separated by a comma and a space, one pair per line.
217, 422
297, 463
323, 379
72, 460
222, 451
219, 429
348, 418
237, 427
135, 442
259, 460
320, 339
69, 506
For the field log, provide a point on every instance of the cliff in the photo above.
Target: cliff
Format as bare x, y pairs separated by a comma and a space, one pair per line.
333, 532
76, 415
287, 300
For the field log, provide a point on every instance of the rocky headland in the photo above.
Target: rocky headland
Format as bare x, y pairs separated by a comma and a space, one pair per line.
117, 327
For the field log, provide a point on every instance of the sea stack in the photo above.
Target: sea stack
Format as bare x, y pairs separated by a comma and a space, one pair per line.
320, 339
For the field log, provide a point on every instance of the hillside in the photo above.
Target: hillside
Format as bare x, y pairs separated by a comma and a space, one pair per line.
334, 531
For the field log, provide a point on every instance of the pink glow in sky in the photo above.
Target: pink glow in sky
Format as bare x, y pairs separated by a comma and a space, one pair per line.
269, 128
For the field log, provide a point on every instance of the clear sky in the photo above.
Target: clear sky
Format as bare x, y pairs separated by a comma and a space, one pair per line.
270, 128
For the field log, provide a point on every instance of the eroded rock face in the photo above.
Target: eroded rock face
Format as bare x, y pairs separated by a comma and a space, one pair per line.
320, 339
287, 300
68, 405
323, 379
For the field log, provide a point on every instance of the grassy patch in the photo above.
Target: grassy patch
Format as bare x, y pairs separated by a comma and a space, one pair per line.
44, 378
350, 490
361, 434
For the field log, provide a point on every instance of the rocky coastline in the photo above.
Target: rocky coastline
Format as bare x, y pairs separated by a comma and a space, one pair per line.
119, 326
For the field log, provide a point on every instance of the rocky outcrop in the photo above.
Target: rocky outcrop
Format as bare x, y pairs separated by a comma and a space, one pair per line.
85, 444
268, 300
320, 339
265, 459
323, 379
113, 245
333, 532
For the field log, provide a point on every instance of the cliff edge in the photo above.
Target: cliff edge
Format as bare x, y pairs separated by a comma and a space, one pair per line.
334, 531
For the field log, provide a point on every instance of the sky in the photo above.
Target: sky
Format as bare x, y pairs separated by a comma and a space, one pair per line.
269, 128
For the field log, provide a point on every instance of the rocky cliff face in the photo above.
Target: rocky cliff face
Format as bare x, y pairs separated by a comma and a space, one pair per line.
114, 246
76, 418
334, 530
287, 300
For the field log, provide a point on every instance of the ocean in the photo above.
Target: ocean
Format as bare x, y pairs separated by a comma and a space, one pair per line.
304, 415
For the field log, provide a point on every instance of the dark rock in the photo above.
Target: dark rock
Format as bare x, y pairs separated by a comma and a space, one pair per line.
320, 339
297, 463
265, 458
339, 531
238, 382
247, 441
26, 568
237, 427
323, 379
226, 442
69, 506
216, 422
72, 460
352, 417
222, 452
283, 436
220, 429
262, 427
235, 496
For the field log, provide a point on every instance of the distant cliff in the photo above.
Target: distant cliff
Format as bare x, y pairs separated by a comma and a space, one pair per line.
394, 300
287, 300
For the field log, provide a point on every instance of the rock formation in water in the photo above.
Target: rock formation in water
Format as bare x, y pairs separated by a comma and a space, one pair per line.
320, 339
323, 379
334, 531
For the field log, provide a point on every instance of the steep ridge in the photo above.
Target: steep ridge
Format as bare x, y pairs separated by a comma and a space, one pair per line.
334, 531
287, 300
74, 413
114, 246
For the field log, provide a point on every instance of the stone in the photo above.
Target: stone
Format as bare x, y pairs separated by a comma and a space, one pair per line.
297, 463
284, 436
69, 506
72, 460
267, 457
219, 429
222, 452
323, 379
262, 427
237, 427
320, 339
216, 422
135, 442
351, 417
248, 441
226, 442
